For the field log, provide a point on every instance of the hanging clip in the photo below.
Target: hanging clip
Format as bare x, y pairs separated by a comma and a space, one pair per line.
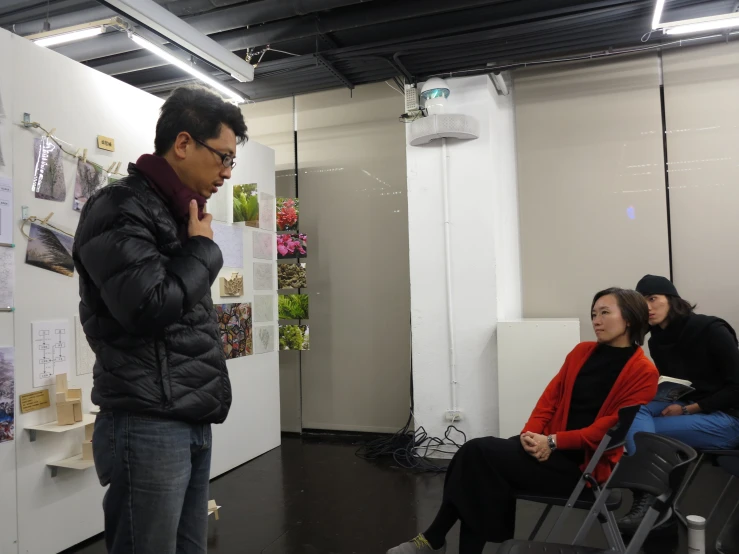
51, 133
77, 154
118, 167
46, 219
84, 156
110, 169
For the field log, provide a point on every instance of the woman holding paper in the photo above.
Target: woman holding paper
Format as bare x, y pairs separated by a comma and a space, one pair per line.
695, 350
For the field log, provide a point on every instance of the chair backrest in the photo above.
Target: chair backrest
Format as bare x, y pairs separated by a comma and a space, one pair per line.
657, 467
625, 418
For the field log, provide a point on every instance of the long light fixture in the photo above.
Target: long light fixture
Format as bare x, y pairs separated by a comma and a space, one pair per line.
68, 37
76, 32
690, 26
159, 51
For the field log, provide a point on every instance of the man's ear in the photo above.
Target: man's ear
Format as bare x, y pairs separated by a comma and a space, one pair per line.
181, 145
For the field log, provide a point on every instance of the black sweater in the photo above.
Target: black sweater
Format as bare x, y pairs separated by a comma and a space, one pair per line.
701, 349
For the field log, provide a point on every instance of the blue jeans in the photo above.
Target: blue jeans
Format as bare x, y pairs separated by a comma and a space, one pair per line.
159, 472
714, 431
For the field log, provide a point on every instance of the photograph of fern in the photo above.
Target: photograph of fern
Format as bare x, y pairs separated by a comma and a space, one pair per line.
292, 306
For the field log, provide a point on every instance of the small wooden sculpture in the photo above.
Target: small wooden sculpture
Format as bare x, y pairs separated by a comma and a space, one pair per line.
233, 286
87, 444
68, 402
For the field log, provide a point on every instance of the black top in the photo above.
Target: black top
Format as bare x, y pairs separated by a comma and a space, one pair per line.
146, 308
701, 349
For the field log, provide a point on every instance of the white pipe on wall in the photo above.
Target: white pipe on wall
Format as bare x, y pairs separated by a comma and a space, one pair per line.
448, 264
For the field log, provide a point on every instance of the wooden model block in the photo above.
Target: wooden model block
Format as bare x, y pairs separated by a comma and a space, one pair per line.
61, 383
89, 430
87, 450
233, 286
65, 413
213, 508
74, 394
68, 402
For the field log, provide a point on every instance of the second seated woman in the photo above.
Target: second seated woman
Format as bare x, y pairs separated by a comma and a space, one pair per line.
572, 416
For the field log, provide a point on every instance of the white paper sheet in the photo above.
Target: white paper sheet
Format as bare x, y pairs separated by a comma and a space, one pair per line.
230, 238
264, 308
6, 210
84, 354
264, 338
267, 212
218, 204
51, 343
263, 245
264, 276
7, 277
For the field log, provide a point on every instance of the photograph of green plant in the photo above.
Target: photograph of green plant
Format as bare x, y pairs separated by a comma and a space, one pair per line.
292, 306
294, 337
291, 276
288, 211
246, 204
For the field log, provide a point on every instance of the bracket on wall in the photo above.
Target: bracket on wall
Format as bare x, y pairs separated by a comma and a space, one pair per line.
336, 73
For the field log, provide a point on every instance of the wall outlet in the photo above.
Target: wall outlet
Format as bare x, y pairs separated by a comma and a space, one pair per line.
453, 416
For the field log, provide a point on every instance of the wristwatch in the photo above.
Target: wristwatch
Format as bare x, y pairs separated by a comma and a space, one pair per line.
550, 442
685, 410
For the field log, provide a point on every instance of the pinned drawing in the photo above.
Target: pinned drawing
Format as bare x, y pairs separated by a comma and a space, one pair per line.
232, 286
7, 394
48, 173
294, 337
266, 216
84, 354
7, 277
264, 339
50, 249
230, 239
287, 214
264, 276
262, 244
235, 325
292, 246
50, 343
264, 307
246, 204
90, 178
291, 276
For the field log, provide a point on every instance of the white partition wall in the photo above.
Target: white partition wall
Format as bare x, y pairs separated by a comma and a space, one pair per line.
523, 371
54, 513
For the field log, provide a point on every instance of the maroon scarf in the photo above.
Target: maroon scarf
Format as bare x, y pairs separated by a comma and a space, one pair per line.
167, 184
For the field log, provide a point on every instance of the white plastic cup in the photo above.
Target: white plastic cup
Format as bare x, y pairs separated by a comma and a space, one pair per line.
696, 535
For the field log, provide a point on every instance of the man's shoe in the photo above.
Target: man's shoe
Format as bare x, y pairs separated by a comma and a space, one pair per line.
419, 545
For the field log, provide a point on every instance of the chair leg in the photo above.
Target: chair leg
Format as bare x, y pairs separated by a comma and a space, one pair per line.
688, 481
542, 519
720, 499
615, 541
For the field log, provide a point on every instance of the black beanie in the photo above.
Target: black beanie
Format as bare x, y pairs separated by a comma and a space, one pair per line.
653, 284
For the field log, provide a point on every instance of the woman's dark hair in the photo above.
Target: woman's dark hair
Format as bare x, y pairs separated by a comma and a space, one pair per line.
679, 308
198, 111
634, 310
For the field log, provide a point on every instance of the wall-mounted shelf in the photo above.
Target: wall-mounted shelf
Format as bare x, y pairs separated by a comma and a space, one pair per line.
53, 427
75, 462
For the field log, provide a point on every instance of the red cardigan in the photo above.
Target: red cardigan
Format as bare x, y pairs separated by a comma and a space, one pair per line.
637, 384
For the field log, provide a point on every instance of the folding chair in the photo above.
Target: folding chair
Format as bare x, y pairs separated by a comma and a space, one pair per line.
583, 498
657, 468
728, 539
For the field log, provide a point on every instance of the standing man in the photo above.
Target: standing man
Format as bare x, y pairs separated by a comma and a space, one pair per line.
146, 259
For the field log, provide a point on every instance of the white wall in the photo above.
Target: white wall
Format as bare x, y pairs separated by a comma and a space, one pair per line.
484, 260
55, 513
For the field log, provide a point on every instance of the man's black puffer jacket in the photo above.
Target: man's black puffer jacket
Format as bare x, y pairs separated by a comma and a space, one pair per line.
146, 308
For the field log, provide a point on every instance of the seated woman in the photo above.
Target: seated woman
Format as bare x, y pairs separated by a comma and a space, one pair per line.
572, 416
697, 348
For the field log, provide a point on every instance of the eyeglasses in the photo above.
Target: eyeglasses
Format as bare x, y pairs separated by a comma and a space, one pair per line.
227, 159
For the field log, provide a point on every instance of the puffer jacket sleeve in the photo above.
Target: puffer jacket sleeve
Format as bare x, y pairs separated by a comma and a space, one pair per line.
144, 290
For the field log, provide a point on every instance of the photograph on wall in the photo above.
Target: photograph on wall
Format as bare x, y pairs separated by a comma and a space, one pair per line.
234, 323
264, 339
266, 216
264, 276
291, 276
48, 173
7, 277
50, 249
294, 337
264, 307
263, 245
292, 306
287, 214
90, 178
7, 394
292, 245
246, 204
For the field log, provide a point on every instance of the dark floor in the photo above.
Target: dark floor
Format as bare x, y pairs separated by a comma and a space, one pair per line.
315, 497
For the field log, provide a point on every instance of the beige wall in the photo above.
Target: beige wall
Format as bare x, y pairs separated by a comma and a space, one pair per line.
353, 207
589, 143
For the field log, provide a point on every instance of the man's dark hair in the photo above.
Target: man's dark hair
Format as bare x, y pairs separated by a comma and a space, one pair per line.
197, 111
679, 308
634, 310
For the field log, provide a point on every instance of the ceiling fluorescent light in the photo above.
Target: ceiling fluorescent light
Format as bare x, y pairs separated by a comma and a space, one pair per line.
68, 37
162, 53
164, 23
705, 26
658, 13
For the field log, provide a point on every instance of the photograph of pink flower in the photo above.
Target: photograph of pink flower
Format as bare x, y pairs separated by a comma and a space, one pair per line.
292, 246
287, 214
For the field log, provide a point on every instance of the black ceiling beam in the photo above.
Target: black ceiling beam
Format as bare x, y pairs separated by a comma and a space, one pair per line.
335, 72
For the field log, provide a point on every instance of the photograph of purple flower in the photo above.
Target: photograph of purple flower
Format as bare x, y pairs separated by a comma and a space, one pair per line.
292, 246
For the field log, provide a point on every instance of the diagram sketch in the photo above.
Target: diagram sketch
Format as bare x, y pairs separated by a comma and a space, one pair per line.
50, 341
264, 276
7, 277
264, 307
84, 354
267, 216
264, 339
262, 245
